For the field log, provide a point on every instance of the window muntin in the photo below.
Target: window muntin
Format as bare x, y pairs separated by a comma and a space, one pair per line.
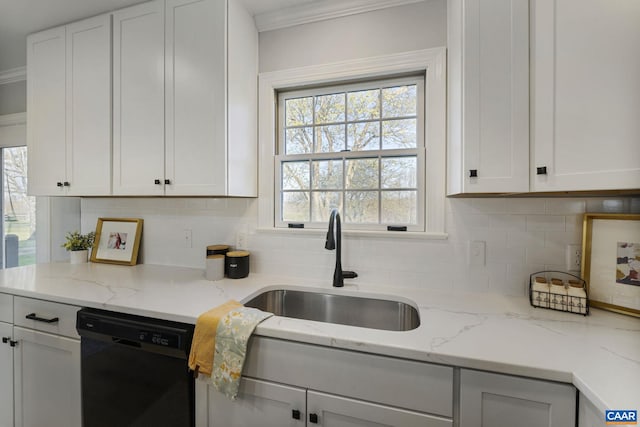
357, 147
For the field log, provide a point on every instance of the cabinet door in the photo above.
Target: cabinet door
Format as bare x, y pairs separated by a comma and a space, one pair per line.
588, 414
585, 94
46, 112
333, 411
196, 96
138, 100
6, 376
494, 400
259, 403
488, 96
47, 380
89, 107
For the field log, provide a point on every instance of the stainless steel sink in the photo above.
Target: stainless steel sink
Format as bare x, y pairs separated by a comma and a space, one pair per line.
365, 312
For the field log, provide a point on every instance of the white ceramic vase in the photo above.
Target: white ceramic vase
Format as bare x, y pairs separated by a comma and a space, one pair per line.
79, 257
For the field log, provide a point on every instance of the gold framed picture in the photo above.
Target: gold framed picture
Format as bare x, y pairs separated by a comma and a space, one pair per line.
611, 261
117, 241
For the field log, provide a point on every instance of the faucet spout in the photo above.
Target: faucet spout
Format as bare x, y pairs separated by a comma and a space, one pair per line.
334, 241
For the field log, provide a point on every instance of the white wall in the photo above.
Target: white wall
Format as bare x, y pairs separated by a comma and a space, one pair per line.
382, 32
522, 235
13, 98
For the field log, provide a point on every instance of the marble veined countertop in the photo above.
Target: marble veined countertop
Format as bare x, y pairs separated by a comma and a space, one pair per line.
599, 353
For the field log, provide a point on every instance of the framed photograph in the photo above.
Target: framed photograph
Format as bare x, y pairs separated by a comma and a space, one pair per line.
117, 241
611, 261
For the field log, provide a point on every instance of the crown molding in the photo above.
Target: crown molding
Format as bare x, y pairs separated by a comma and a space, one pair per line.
320, 11
13, 75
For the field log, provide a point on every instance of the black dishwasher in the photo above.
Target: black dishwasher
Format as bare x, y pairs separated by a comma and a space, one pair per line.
134, 371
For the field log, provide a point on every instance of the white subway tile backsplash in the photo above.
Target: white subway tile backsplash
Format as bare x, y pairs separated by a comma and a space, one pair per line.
529, 239
545, 223
526, 206
522, 236
564, 206
544, 255
507, 222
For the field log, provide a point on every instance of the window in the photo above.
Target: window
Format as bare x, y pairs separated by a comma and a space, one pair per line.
429, 63
355, 147
19, 210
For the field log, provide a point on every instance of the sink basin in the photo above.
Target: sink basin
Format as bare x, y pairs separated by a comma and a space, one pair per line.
359, 311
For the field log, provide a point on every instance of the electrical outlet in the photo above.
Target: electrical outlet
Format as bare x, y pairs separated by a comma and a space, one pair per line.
574, 257
242, 237
241, 240
477, 253
187, 237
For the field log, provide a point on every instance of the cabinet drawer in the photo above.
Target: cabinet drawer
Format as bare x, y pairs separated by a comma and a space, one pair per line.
6, 308
46, 316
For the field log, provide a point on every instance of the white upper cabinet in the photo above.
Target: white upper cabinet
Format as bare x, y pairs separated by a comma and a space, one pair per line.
185, 99
69, 109
138, 100
89, 106
46, 115
585, 94
553, 109
488, 66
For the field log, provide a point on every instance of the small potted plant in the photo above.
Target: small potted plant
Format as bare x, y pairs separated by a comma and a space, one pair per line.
79, 244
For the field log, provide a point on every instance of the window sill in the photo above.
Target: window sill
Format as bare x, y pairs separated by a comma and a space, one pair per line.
408, 235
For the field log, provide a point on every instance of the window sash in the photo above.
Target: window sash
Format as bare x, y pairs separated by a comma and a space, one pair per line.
418, 152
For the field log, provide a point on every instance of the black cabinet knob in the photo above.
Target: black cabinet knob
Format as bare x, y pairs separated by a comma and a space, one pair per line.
313, 418
541, 170
5, 340
13, 343
157, 182
66, 184
58, 184
295, 414
473, 173
167, 181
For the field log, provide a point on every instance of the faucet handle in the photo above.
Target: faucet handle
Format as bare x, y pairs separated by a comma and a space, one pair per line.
349, 274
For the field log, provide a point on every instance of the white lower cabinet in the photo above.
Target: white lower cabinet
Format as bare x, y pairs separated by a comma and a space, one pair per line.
260, 403
495, 400
46, 357
588, 414
6, 375
335, 411
293, 384
266, 404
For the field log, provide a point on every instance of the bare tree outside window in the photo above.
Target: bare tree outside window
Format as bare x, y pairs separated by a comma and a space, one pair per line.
19, 209
351, 148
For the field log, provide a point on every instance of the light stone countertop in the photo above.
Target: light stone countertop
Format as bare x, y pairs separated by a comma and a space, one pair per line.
599, 354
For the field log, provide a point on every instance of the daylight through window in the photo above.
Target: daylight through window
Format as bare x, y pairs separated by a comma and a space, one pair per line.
358, 148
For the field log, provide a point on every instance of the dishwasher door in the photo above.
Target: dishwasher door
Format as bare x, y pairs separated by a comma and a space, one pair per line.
134, 371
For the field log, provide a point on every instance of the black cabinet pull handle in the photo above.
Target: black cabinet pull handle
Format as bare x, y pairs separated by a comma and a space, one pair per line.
313, 418
157, 182
473, 173
5, 339
58, 184
33, 316
167, 181
13, 343
66, 184
295, 414
541, 170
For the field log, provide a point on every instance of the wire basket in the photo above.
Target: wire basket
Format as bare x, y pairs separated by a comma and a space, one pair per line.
560, 291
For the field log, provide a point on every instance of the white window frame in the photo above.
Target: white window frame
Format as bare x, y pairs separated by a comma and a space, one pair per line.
431, 62
417, 152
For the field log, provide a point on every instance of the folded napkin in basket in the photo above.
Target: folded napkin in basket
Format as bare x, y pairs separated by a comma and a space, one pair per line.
232, 336
204, 338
